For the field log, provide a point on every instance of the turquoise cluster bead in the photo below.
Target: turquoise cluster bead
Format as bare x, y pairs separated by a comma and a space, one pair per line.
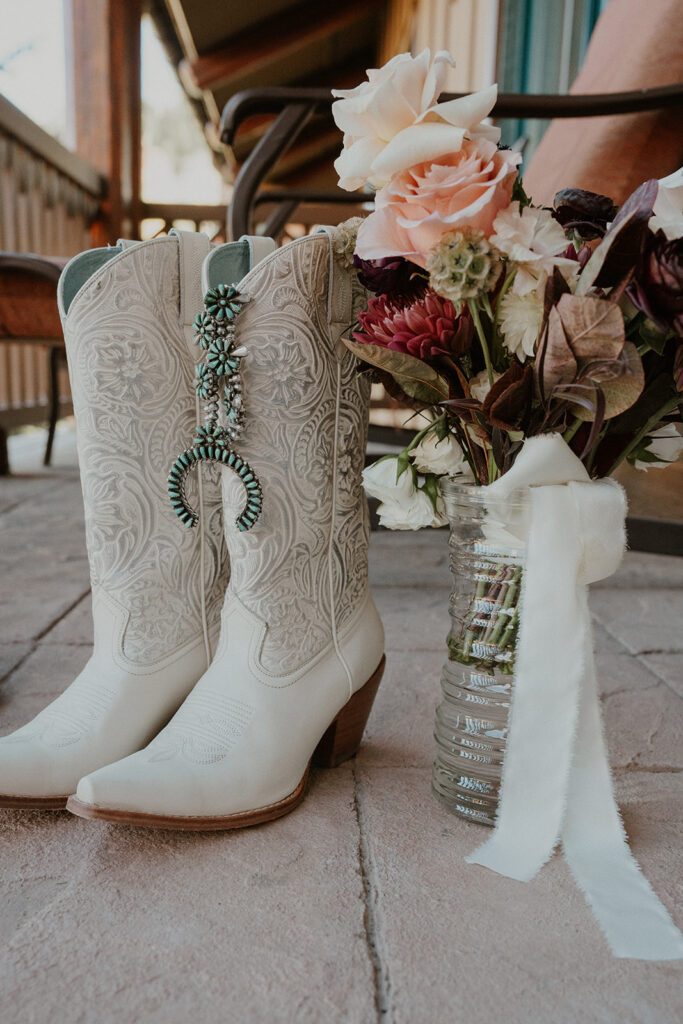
215, 335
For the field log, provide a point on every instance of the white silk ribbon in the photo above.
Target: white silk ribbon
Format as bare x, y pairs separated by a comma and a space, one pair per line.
556, 783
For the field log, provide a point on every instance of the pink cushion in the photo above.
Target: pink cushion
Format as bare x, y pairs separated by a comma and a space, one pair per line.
637, 44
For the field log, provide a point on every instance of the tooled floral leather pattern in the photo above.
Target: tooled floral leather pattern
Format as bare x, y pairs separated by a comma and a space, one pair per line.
131, 374
280, 569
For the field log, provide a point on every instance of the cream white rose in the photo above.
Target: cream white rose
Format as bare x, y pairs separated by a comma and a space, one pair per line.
393, 121
445, 457
379, 481
666, 444
416, 514
667, 213
402, 505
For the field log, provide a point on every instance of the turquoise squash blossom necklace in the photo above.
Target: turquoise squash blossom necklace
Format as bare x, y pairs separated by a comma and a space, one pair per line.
213, 440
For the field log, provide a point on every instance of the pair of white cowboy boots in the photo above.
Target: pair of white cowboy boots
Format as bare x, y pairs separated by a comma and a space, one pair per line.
216, 678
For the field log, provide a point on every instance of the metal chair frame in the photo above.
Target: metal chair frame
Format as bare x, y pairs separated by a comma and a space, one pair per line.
295, 107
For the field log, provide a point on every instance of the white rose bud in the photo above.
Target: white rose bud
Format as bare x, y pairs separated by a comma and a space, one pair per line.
444, 458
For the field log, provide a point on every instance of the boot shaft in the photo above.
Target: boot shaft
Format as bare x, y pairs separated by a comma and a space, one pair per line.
131, 370
302, 568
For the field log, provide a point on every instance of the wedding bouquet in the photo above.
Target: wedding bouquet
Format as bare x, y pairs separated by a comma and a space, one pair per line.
495, 319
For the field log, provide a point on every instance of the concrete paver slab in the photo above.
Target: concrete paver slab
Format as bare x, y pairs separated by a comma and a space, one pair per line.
668, 667
461, 943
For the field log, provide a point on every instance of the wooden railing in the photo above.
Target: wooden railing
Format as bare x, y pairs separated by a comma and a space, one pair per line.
49, 203
208, 218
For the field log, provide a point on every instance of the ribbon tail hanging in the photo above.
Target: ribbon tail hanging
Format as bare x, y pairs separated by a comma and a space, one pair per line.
633, 919
556, 779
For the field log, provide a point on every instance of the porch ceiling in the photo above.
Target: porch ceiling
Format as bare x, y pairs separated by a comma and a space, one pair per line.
223, 48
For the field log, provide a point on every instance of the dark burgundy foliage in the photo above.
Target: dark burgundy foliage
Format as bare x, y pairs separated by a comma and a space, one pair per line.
587, 213
658, 286
626, 237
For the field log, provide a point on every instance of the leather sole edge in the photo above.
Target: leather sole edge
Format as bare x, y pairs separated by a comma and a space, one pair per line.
225, 823
44, 803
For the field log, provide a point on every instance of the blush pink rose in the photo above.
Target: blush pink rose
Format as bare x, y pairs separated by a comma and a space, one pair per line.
463, 190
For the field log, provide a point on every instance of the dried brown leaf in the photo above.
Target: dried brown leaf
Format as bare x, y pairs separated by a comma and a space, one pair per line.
593, 327
559, 364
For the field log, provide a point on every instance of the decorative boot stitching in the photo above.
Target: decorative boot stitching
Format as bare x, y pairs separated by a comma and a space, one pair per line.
215, 335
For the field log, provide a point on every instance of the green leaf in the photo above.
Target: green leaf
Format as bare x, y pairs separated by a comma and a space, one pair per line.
519, 194
652, 336
441, 428
402, 464
431, 488
414, 376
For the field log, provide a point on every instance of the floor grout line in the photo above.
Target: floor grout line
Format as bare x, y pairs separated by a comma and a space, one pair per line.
373, 936
63, 615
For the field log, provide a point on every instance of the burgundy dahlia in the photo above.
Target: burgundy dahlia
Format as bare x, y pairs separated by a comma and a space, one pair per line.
428, 327
658, 286
392, 276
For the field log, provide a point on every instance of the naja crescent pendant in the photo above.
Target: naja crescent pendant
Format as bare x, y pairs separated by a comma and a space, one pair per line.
215, 335
224, 457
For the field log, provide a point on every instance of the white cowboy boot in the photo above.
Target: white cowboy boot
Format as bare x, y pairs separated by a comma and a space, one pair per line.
127, 313
301, 649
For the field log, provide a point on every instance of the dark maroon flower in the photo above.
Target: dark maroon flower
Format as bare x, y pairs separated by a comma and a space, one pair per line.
582, 256
426, 328
392, 276
586, 213
657, 289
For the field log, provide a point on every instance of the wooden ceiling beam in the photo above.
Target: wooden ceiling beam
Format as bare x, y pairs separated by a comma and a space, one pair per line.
282, 37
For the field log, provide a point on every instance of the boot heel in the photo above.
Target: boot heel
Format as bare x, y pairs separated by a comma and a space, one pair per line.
343, 737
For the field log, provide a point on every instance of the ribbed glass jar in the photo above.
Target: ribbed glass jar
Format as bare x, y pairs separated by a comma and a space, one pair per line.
486, 557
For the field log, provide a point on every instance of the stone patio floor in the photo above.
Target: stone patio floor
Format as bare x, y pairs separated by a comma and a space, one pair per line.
359, 906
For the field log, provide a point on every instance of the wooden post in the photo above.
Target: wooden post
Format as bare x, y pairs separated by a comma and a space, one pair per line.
104, 37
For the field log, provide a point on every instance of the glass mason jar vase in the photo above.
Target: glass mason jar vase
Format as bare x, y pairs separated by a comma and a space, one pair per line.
486, 557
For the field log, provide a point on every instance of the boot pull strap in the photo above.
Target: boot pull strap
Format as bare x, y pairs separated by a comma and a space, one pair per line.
260, 246
339, 292
193, 247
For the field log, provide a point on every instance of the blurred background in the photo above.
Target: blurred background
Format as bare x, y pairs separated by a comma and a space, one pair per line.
110, 126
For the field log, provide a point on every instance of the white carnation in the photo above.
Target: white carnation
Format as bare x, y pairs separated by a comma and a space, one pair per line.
532, 239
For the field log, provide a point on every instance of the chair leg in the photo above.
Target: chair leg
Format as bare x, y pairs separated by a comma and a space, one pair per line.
54, 403
4, 457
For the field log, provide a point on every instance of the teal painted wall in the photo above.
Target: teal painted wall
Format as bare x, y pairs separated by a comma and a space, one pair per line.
542, 46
